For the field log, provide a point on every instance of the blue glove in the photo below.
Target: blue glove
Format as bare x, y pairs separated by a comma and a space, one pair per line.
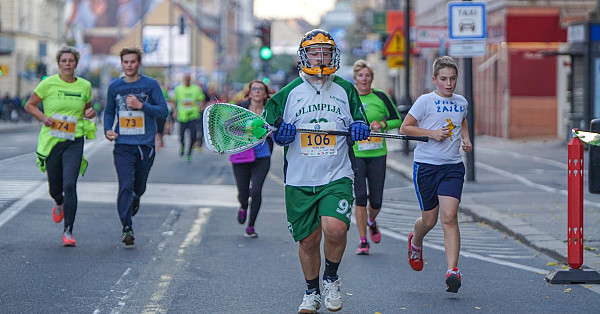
359, 131
286, 133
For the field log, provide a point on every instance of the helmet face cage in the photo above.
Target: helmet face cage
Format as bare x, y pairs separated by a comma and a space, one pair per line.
320, 44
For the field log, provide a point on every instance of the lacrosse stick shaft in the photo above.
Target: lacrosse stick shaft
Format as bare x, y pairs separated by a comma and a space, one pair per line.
373, 134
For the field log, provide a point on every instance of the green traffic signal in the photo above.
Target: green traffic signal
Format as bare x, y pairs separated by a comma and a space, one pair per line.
266, 53
0, 72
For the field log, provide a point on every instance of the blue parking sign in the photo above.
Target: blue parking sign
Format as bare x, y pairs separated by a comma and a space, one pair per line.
466, 20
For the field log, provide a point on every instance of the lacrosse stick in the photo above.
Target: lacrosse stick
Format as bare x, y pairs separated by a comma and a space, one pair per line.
230, 129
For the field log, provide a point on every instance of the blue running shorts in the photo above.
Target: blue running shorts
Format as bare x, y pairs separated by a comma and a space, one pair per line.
432, 181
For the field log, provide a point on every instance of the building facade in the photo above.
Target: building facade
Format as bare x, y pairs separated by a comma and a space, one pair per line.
518, 91
31, 32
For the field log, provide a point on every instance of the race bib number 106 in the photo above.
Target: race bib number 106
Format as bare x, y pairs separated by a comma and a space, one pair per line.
318, 144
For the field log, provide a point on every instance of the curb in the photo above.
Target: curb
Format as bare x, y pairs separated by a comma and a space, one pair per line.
514, 227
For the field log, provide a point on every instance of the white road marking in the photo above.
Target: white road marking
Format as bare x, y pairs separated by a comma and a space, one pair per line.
163, 194
194, 236
40, 188
430, 245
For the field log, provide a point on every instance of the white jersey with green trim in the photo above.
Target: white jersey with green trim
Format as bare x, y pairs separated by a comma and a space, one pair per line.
315, 159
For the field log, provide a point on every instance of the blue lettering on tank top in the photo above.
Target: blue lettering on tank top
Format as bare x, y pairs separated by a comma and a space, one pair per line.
448, 106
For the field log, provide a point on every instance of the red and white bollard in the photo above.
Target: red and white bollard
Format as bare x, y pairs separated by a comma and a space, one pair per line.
575, 203
575, 275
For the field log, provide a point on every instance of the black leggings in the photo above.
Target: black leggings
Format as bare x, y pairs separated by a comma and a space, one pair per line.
372, 170
249, 178
191, 125
62, 167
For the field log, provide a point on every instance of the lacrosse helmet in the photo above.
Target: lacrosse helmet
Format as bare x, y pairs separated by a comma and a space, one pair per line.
322, 43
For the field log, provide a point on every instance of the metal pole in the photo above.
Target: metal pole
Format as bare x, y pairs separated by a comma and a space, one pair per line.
198, 31
407, 100
468, 69
170, 66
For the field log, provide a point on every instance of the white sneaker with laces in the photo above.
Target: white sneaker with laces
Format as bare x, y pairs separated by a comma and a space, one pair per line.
310, 303
332, 295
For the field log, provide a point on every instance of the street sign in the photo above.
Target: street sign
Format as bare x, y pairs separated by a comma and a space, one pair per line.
396, 61
430, 36
395, 43
466, 20
379, 22
467, 48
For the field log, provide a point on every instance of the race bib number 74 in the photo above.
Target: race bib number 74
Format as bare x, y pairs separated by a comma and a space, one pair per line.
63, 126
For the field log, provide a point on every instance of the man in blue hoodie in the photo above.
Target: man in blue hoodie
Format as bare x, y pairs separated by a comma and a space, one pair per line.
135, 101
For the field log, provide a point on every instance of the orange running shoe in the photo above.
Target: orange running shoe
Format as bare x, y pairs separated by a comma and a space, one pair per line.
68, 239
57, 213
415, 256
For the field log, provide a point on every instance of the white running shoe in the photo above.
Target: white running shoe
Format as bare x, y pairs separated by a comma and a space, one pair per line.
332, 295
310, 303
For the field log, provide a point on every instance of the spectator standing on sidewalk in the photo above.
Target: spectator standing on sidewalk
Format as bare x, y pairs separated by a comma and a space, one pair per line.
438, 172
60, 143
371, 155
135, 100
251, 167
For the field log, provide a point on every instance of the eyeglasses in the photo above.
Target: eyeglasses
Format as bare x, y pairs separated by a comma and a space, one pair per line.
257, 89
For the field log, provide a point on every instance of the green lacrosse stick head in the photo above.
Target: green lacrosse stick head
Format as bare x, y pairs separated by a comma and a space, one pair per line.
257, 128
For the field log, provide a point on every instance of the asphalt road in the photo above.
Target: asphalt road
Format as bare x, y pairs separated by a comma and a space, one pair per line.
191, 256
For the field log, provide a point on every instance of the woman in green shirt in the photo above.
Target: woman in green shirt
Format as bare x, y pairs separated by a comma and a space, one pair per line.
371, 154
60, 142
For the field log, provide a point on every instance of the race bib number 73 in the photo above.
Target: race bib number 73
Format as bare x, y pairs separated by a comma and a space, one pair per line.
131, 123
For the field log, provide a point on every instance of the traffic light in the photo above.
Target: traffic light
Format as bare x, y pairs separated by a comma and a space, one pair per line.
41, 70
265, 38
3, 69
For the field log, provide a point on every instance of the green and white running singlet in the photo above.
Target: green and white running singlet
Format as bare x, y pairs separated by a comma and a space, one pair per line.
318, 169
315, 159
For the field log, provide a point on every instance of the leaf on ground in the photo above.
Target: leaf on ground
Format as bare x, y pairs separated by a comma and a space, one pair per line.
547, 297
567, 290
479, 307
565, 267
588, 286
587, 248
348, 293
552, 264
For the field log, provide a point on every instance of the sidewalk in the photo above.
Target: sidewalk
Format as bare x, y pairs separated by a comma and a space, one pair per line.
6, 126
520, 188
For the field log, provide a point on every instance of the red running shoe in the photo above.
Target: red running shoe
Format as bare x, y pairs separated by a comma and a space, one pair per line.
57, 213
68, 239
453, 278
415, 256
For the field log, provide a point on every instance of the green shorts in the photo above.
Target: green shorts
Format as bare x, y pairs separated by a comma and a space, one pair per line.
306, 204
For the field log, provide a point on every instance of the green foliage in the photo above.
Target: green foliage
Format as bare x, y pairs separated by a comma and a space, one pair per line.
244, 72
